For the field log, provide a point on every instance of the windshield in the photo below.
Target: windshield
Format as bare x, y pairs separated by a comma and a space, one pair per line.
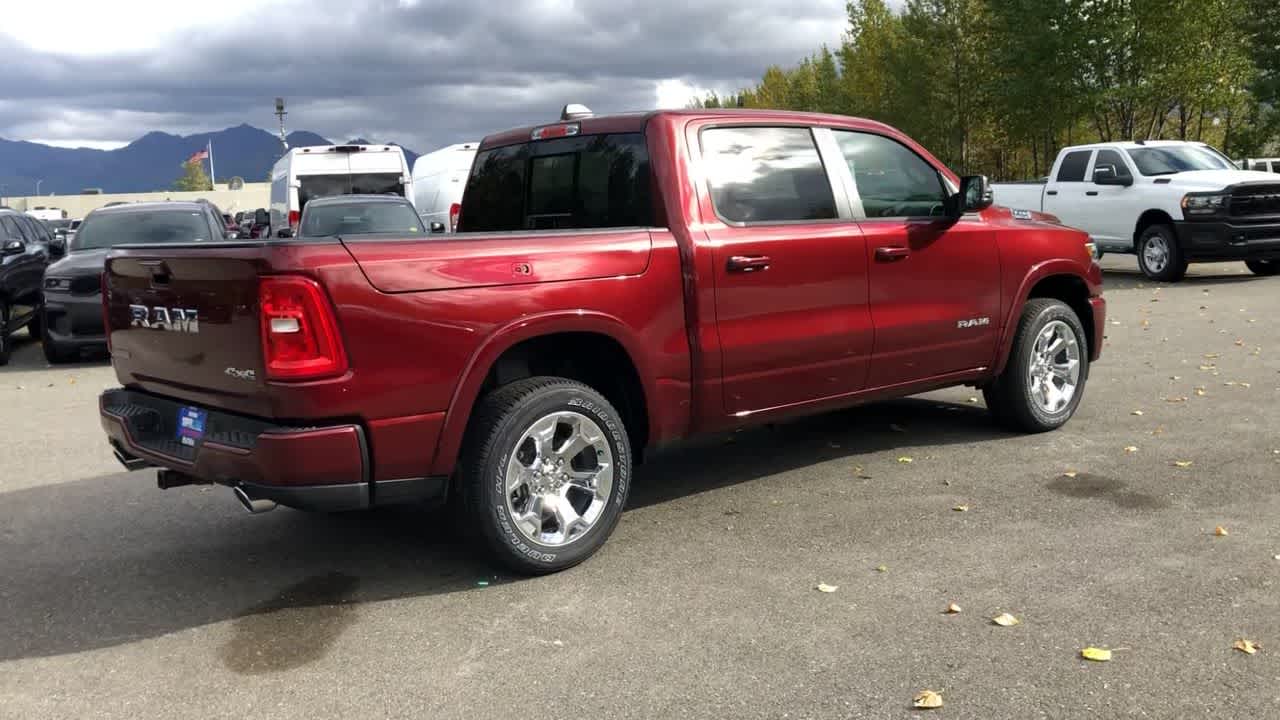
162, 226
1170, 159
360, 219
314, 186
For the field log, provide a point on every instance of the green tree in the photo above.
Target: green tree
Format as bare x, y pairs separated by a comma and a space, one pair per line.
193, 178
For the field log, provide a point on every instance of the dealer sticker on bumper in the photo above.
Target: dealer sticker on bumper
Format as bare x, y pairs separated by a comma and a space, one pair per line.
191, 425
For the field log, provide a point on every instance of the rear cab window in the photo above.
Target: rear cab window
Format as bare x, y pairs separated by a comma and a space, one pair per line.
360, 218
579, 182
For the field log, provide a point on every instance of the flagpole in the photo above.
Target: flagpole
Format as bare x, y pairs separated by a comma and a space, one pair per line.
213, 182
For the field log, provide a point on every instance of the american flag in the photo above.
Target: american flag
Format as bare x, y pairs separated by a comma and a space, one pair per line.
202, 155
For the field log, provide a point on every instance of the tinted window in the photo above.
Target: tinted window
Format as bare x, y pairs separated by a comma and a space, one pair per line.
763, 174
27, 226
161, 226
360, 219
1260, 165
314, 186
892, 180
1074, 165
1171, 159
10, 228
42, 231
1111, 157
592, 181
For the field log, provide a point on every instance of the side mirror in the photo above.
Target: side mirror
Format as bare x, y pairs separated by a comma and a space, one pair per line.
284, 233
58, 246
13, 247
1106, 175
974, 195
437, 227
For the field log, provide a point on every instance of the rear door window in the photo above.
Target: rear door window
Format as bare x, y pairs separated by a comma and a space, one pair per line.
766, 174
1074, 166
589, 181
10, 229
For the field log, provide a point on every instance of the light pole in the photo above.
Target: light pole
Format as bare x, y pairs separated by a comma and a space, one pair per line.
38, 187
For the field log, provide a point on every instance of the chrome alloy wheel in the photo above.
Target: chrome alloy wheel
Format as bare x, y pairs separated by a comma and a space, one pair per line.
1055, 367
1156, 253
559, 478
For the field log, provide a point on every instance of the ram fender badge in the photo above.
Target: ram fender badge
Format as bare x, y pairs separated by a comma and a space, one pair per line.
973, 322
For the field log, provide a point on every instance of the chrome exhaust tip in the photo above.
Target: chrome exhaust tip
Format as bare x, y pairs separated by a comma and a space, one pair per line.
255, 506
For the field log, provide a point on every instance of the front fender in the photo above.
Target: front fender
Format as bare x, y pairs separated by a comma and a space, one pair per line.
467, 391
1091, 275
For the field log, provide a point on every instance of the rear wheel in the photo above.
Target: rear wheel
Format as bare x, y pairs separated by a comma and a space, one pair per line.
1159, 256
1044, 379
1263, 267
545, 473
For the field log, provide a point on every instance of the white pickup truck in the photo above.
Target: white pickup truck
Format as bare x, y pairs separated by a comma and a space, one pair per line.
1168, 202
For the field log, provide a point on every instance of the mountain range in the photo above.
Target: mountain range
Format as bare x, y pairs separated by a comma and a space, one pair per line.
152, 162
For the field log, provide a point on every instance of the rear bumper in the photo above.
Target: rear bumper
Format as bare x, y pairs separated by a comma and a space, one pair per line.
314, 468
1099, 306
1225, 240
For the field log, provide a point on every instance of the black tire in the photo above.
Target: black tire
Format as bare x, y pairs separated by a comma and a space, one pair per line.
1175, 265
53, 352
1265, 268
500, 420
1010, 397
36, 324
4, 333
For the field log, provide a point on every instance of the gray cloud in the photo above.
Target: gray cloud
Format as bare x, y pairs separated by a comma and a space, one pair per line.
422, 73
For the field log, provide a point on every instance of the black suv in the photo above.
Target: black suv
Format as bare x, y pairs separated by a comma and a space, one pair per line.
73, 285
25, 248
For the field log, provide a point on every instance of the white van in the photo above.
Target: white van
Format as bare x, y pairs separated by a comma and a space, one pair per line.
438, 181
323, 170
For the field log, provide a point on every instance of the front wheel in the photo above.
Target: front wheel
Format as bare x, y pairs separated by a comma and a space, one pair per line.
1265, 268
545, 473
1044, 379
1159, 256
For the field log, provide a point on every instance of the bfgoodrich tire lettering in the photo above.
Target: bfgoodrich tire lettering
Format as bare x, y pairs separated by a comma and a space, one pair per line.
498, 436
1036, 355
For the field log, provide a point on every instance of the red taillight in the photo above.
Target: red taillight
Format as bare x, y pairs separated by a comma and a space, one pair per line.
294, 217
106, 309
300, 339
455, 214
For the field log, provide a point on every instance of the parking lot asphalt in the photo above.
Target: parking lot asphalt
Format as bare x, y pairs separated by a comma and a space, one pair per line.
118, 600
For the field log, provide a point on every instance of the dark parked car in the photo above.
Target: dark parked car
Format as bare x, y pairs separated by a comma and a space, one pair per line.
72, 286
24, 253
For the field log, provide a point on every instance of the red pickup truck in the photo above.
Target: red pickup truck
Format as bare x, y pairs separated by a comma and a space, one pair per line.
617, 284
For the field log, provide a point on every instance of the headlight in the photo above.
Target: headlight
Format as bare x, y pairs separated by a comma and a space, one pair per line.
57, 283
1092, 247
1204, 204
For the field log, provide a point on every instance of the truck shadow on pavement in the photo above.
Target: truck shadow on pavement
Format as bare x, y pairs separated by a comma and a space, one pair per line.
1205, 275
111, 560
28, 356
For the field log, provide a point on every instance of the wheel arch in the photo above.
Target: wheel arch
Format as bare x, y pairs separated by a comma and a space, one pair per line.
548, 344
1058, 279
1146, 220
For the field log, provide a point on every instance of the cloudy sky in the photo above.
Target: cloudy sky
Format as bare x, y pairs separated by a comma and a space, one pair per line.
420, 72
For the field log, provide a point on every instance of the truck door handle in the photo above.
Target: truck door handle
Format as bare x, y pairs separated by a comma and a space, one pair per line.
1091, 193
891, 254
748, 263
1051, 192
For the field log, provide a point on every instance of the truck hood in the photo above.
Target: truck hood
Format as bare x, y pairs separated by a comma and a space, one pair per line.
1219, 179
78, 264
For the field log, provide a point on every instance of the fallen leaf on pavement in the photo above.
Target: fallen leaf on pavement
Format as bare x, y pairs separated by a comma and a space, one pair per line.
1245, 385
1179, 399
1160, 430
1115, 322
927, 700
961, 508
953, 609
1005, 620
905, 460
1146, 323
1182, 463
1207, 367
1212, 356
825, 588
1131, 449
1239, 343
973, 399
1200, 392
1139, 413
882, 568
1070, 473
1220, 531
1096, 654
1248, 647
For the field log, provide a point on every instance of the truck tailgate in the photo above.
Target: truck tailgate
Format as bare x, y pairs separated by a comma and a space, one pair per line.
187, 317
